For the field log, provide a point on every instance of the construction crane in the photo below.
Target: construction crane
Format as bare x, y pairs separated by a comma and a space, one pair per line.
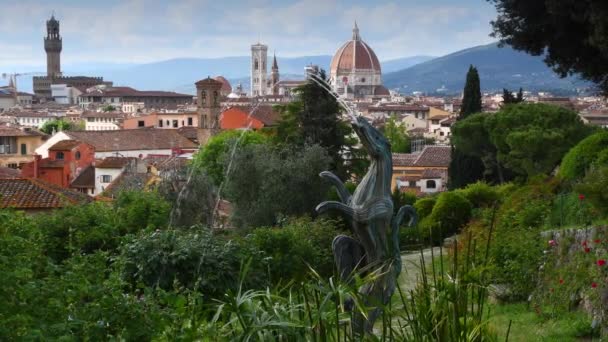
12, 81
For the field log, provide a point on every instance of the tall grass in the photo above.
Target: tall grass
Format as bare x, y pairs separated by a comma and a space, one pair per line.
447, 304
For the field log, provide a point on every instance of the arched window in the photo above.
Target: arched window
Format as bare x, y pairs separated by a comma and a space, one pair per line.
215, 97
203, 97
256, 64
77, 155
59, 156
430, 184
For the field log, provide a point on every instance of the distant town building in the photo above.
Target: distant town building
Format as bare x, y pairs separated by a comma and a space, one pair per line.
17, 145
355, 70
208, 108
116, 96
53, 46
165, 120
423, 172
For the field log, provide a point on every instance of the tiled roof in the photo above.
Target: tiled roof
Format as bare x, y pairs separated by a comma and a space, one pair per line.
36, 194
126, 181
399, 108
114, 162
132, 139
190, 133
85, 179
48, 163
434, 174
64, 145
28, 114
210, 82
130, 92
114, 114
17, 132
435, 156
265, 113
7, 172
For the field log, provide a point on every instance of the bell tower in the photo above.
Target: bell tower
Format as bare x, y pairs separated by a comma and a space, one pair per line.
208, 106
274, 76
259, 54
52, 46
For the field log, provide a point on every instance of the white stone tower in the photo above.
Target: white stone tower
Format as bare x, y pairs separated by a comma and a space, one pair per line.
259, 55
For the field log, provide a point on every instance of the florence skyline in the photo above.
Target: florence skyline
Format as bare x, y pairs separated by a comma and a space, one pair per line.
141, 31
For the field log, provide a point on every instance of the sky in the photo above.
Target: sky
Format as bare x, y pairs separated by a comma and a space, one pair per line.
142, 31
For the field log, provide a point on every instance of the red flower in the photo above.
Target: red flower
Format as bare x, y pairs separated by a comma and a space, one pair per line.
581, 197
594, 284
552, 243
585, 243
601, 262
561, 281
587, 249
597, 240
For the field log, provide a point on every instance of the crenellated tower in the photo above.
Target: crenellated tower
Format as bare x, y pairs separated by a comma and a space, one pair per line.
52, 46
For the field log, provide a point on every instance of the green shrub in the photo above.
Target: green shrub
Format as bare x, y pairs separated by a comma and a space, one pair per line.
424, 206
593, 186
292, 248
480, 194
191, 257
451, 212
583, 155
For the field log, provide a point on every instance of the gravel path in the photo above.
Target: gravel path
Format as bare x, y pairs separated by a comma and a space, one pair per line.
411, 267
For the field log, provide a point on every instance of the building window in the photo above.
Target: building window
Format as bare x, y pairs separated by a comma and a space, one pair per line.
106, 178
59, 156
160, 123
174, 123
140, 123
412, 184
12, 165
256, 65
23, 149
168, 123
189, 121
77, 155
430, 184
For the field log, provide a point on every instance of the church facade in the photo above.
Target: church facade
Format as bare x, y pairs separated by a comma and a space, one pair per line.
53, 45
355, 70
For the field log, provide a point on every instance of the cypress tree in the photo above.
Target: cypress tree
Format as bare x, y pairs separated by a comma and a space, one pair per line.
471, 100
465, 169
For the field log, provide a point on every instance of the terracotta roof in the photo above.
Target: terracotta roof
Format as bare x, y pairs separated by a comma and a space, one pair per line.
48, 163
65, 145
114, 114
434, 174
265, 113
130, 92
85, 179
381, 91
126, 181
36, 194
190, 133
132, 139
114, 162
354, 54
399, 108
7, 172
28, 114
431, 156
18, 132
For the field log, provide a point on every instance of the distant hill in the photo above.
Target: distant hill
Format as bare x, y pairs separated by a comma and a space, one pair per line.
180, 74
498, 68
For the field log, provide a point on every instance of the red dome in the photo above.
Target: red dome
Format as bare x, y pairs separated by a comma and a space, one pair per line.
354, 54
226, 87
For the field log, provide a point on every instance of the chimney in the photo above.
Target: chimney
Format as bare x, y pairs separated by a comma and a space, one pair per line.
37, 159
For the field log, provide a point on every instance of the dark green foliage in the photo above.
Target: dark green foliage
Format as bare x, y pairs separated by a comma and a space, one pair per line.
189, 257
466, 168
471, 100
526, 139
397, 136
509, 98
54, 126
294, 248
100, 226
582, 156
269, 183
570, 34
314, 118
213, 157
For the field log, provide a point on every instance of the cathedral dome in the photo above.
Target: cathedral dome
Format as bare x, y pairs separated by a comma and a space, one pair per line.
355, 54
226, 87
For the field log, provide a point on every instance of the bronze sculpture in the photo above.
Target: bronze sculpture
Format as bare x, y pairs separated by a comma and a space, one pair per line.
375, 246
